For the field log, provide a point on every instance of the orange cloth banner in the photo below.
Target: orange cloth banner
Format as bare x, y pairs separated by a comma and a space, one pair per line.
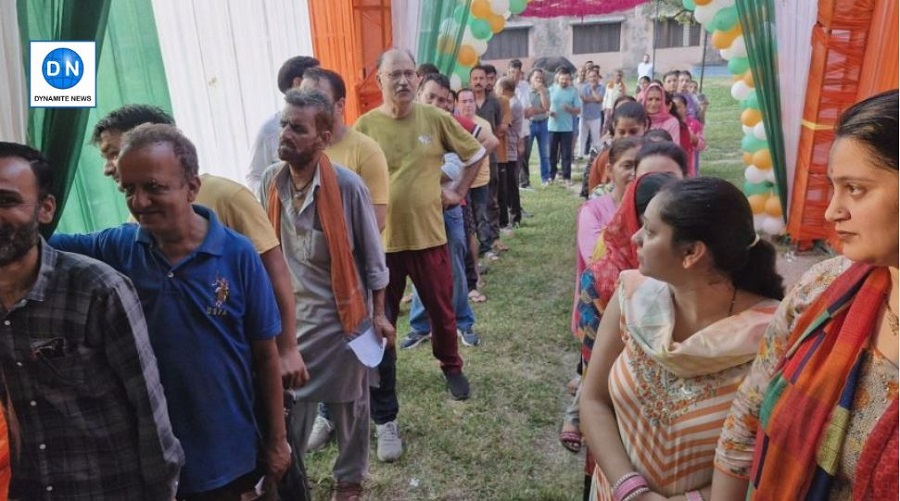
347, 36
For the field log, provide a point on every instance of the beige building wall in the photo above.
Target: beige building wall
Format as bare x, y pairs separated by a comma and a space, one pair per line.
553, 37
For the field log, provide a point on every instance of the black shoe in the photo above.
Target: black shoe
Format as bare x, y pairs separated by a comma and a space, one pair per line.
458, 386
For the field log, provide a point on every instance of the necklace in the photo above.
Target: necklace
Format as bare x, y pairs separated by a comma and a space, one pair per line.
893, 322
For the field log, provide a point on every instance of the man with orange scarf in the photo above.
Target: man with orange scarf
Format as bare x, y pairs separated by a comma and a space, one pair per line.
324, 218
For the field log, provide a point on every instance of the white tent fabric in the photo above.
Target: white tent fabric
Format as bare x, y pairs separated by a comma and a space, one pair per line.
405, 24
793, 27
221, 59
13, 94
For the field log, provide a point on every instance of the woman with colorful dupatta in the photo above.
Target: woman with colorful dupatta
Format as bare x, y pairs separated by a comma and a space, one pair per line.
816, 418
675, 342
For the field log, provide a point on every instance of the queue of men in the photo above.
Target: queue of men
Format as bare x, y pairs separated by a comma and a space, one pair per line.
200, 349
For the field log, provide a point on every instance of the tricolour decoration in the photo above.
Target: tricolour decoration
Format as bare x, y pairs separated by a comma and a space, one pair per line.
484, 19
720, 19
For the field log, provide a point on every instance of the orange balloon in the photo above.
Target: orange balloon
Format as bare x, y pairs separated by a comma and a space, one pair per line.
721, 40
757, 203
773, 206
748, 158
703, 2
497, 23
748, 79
762, 159
751, 117
467, 56
481, 9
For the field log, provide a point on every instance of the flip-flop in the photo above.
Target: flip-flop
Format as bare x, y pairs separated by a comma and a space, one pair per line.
476, 296
571, 440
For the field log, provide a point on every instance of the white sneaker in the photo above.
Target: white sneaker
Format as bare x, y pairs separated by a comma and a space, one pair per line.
321, 434
390, 446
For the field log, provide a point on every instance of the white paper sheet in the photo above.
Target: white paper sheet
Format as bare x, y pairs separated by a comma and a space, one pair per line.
368, 348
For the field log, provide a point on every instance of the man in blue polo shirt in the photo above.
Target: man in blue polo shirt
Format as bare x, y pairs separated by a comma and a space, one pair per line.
211, 315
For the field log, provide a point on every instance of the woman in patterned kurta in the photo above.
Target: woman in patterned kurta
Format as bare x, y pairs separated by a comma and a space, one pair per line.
677, 340
830, 356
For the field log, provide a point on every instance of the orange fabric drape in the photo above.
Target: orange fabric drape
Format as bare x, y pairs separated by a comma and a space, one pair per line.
841, 44
880, 68
347, 37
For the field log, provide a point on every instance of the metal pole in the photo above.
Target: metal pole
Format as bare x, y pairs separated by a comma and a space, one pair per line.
703, 62
655, 37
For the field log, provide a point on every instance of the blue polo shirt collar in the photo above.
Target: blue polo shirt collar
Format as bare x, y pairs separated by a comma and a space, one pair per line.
214, 242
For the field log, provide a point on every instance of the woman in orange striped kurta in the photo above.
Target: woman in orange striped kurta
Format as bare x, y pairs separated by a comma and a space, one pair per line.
676, 343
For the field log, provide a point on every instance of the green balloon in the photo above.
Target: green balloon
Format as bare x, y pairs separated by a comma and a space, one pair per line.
517, 6
725, 19
463, 73
752, 144
689, 5
738, 65
752, 101
480, 28
757, 188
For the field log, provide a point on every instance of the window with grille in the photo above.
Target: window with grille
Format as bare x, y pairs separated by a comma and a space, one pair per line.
511, 43
671, 33
596, 37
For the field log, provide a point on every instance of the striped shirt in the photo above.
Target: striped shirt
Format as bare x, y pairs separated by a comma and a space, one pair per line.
82, 378
670, 400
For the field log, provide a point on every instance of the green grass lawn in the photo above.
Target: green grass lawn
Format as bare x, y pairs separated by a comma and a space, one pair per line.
502, 443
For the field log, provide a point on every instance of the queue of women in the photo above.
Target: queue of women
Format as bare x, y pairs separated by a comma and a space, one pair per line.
702, 378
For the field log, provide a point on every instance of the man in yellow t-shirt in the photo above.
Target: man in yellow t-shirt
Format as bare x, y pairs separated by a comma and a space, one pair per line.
349, 148
414, 138
236, 208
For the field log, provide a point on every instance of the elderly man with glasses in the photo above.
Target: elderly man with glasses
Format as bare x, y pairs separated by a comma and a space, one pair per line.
414, 138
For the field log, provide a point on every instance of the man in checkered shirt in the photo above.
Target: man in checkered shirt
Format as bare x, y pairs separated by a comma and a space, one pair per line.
78, 370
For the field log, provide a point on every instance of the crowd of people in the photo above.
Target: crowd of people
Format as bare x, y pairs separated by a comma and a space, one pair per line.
200, 350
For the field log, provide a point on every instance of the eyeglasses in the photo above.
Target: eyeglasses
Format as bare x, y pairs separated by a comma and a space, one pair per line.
395, 75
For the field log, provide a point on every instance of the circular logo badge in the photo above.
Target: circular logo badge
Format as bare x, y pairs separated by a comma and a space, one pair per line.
63, 68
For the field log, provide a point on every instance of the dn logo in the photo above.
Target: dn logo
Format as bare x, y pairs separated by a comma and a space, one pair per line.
62, 68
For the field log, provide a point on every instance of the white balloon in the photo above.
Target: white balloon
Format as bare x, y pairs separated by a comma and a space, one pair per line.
759, 131
758, 220
455, 82
747, 129
727, 54
739, 90
506, 15
480, 46
468, 37
499, 6
753, 175
705, 13
770, 176
739, 47
773, 225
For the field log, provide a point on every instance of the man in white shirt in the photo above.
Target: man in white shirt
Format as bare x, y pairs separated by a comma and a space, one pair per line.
264, 151
645, 67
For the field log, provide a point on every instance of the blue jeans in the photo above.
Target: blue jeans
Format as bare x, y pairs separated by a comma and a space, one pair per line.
456, 240
540, 133
481, 210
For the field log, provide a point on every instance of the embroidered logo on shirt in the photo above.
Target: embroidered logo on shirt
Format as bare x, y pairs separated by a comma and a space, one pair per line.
425, 139
221, 292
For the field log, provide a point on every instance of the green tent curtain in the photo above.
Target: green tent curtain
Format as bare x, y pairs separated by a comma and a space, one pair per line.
435, 15
757, 21
59, 132
129, 71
